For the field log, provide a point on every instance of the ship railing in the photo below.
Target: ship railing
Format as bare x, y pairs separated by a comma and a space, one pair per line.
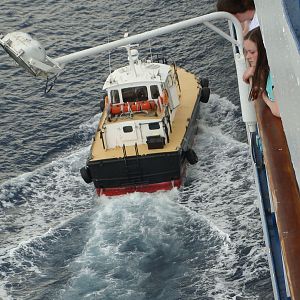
168, 117
136, 149
132, 164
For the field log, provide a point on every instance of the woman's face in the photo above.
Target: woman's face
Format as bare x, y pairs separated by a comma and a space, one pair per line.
250, 50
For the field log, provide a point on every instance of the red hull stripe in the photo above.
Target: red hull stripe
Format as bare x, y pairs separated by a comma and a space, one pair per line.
148, 188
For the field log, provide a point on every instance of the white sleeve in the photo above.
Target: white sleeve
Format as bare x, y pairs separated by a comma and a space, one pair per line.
254, 22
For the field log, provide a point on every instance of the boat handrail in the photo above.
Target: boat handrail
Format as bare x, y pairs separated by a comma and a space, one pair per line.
47, 65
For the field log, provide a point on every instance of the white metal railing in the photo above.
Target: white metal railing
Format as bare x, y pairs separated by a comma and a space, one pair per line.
205, 19
235, 37
48, 65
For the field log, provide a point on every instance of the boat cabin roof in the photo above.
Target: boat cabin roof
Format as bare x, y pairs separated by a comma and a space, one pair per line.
143, 72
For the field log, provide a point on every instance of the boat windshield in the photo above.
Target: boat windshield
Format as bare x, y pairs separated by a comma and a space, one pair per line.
134, 94
154, 91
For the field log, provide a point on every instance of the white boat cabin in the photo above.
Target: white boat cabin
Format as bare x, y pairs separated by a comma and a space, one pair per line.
140, 104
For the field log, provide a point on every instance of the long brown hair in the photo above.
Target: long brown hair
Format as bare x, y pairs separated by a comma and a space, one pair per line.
262, 68
235, 6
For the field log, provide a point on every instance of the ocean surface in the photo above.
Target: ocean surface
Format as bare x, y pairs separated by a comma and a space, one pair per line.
58, 239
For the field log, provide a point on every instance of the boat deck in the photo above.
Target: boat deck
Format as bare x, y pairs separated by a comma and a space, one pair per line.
189, 94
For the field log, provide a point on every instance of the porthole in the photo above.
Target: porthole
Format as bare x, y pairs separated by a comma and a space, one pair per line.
154, 126
127, 129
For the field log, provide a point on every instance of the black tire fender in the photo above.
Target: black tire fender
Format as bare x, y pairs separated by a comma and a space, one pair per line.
86, 175
191, 156
204, 82
205, 93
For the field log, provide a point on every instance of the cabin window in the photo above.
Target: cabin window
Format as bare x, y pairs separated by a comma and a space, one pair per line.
154, 91
154, 126
134, 94
127, 129
114, 96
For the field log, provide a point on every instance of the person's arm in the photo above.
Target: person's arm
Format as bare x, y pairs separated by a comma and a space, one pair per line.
245, 27
248, 74
273, 105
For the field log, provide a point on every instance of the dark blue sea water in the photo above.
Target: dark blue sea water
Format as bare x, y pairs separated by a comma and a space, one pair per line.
60, 241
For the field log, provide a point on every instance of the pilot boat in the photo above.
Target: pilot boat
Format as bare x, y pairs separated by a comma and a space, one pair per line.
147, 127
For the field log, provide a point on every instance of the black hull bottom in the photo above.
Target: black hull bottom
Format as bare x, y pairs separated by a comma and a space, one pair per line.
137, 171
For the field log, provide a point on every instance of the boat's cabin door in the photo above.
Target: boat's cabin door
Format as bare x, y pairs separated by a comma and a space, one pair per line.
128, 134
